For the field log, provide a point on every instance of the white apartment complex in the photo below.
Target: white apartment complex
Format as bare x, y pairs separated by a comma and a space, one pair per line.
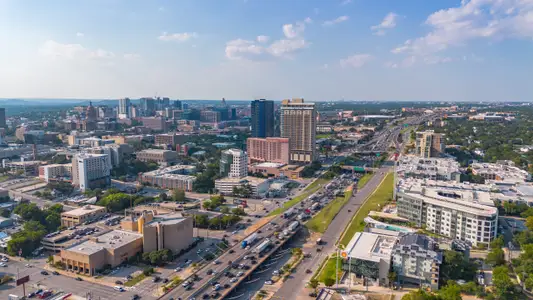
429, 168
502, 170
455, 213
91, 170
234, 163
55, 172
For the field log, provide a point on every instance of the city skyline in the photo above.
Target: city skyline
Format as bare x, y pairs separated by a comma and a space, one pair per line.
319, 50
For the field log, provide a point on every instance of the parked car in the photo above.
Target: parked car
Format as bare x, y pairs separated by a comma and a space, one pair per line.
118, 282
79, 279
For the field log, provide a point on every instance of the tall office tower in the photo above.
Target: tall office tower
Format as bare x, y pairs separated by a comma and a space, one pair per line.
298, 124
148, 106
166, 102
262, 118
429, 144
234, 113
233, 163
124, 108
3, 118
91, 113
184, 106
177, 105
91, 170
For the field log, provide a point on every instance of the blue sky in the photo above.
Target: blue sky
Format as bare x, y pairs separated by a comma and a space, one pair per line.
442, 50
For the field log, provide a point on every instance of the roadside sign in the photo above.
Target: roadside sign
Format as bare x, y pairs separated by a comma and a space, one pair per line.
378, 154
23, 280
344, 254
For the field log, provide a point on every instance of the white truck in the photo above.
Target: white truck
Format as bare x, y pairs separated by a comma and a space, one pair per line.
262, 247
294, 225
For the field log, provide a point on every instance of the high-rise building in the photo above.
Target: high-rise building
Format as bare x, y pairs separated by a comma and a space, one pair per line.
91, 114
91, 170
269, 149
177, 104
233, 163
298, 124
262, 118
124, 108
429, 144
233, 113
2, 117
148, 106
210, 116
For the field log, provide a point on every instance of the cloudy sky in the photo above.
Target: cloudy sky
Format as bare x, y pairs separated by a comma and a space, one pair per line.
243, 49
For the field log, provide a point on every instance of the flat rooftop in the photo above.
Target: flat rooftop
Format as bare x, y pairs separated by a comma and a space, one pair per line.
83, 210
269, 165
110, 240
155, 151
167, 219
171, 169
370, 247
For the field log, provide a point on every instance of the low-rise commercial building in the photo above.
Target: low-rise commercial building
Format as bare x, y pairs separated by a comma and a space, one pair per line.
503, 170
416, 260
259, 185
157, 155
166, 139
29, 168
81, 215
56, 172
369, 255
266, 169
112, 248
155, 123
174, 177
429, 168
454, 213
275, 150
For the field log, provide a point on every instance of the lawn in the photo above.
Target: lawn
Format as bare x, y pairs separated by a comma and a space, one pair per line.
381, 196
329, 269
324, 136
363, 180
310, 189
135, 280
321, 221
4, 178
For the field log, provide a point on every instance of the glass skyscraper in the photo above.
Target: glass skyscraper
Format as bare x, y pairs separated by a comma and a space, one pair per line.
262, 118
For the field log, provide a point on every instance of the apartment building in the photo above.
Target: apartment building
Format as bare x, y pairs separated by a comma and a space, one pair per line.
416, 260
174, 177
259, 185
117, 153
155, 123
298, 124
55, 172
81, 215
91, 170
29, 168
210, 116
429, 144
455, 213
166, 139
157, 155
503, 170
233, 163
275, 150
429, 168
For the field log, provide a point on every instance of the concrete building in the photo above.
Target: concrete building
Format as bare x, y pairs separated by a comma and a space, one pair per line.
172, 232
267, 169
262, 118
416, 260
233, 163
124, 106
3, 118
429, 168
81, 215
91, 170
174, 177
157, 155
117, 153
298, 124
275, 150
166, 139
454, 213
112, 248
30, 167
369, 255
259, 185
504, 171
55, 172
155, 123
429, 144
210, 116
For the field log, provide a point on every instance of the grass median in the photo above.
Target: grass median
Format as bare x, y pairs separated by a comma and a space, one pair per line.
364, 180
381, 196
135, 280
309, 190
321, 221
328, 271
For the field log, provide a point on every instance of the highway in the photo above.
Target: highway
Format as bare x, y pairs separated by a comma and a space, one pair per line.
202, 286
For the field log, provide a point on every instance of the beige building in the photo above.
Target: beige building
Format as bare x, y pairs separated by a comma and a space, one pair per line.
270, 149
157, 155
111, 248
81, 215
298, 124
429, 144
55, 172
169, 231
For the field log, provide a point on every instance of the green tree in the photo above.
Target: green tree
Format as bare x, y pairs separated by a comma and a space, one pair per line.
420, 295
503, 286
225, 210
529, 223
313, 283
450, 292
455, 266
29, 212
329, 282
497, 243
178, 195
496, 257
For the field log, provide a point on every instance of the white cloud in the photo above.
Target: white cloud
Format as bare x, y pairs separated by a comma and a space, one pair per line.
295, 30
72, 51
131, 56
391, 65
356, 60
80, 34
336, 21
388, 22
161, 8
308, 20
490, 20
263, 38
180, 37
345, 2
285, 47
243, 49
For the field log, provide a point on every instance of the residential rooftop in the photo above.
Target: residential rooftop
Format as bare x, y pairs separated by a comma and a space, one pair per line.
110, 240
370, 247
83, 210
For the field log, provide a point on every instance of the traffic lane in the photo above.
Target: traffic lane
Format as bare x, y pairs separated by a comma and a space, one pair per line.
81, 288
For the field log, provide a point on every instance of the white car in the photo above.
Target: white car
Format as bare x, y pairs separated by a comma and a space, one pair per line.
5, 259
233, 280
240, 274
118, 288
269, 282
3, 264
178, 269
